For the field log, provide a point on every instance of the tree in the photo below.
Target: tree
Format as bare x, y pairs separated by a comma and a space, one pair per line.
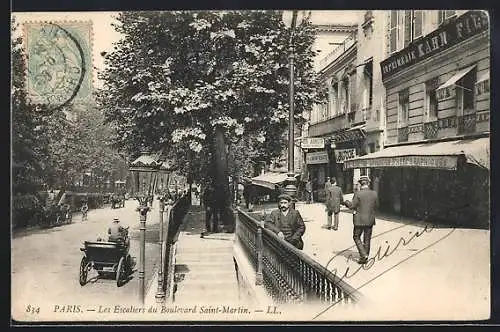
190, 83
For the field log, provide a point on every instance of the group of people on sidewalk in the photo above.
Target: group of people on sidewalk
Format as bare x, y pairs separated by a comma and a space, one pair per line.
288, 224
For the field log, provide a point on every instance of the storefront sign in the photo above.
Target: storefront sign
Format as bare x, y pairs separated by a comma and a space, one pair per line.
344, 154
469, 24
436, 162
317, 158
312, 143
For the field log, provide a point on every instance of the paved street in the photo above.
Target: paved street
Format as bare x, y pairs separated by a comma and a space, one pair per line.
434, 272
45, 263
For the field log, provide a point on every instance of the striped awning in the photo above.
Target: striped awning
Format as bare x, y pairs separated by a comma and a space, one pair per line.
439, 155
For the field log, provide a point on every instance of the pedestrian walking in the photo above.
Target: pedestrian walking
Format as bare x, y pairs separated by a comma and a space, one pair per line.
309, 193
84, 209
286, 222
334, 199
364, 203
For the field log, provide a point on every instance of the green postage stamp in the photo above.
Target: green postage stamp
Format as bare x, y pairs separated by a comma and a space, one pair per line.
59, 62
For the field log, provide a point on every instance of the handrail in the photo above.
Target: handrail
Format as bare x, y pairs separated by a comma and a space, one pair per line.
174, 218
289, 275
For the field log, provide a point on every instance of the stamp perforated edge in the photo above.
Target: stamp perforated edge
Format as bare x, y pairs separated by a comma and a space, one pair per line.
24, 44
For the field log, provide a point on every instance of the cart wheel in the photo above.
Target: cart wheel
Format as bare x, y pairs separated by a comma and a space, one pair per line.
83, 271
120, 272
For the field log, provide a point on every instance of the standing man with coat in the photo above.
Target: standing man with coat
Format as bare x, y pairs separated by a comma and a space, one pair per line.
364, 203
334, 199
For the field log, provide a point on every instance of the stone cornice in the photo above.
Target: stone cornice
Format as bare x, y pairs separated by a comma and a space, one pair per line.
335, 27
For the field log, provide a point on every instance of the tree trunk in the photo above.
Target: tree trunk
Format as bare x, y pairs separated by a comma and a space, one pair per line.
223, 197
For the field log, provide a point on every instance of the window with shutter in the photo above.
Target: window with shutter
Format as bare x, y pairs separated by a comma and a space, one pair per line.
418, 21
393, 31
404, 105
407, 26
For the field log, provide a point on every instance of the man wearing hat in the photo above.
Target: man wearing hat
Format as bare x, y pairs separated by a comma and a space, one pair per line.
287, 222
116, 232
364, 203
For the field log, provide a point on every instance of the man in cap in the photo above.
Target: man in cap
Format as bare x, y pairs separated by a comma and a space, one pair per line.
364, 203
287, 222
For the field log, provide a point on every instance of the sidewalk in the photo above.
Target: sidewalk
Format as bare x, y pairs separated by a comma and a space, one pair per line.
416, 272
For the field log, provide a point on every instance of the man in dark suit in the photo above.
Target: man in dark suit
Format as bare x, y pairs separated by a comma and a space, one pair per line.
287, 222
333, 200
364, 203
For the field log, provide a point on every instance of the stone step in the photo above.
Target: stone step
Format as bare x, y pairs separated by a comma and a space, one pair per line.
202, 250
186, 266
208, 275
193, 258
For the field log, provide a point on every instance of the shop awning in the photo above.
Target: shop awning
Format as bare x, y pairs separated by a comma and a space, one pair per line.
270, 180
351, 134
440, 155
458, 75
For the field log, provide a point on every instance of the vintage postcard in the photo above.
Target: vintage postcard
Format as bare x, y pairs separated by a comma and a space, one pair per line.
282, 166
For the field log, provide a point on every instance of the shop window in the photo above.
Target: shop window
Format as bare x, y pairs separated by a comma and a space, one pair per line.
404, 105
445, 15
465, 95
431, 102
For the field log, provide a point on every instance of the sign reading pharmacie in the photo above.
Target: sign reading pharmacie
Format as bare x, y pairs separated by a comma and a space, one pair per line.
320, 157
344, 154
465, 26
312, 143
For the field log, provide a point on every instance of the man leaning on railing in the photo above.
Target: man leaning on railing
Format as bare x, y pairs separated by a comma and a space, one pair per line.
287, 222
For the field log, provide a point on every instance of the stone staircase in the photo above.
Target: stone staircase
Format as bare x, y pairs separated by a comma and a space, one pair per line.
204, 267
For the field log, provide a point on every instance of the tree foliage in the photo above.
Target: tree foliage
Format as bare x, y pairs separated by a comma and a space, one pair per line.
175, 78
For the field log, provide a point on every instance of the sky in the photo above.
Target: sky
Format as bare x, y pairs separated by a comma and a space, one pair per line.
105, 35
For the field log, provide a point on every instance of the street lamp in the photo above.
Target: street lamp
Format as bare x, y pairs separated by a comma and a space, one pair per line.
290, 21
165, 205
144, 165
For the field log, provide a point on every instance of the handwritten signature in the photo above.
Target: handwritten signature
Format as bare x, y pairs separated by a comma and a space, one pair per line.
380, 255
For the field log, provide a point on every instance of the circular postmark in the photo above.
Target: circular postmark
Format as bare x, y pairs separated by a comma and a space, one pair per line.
56, 66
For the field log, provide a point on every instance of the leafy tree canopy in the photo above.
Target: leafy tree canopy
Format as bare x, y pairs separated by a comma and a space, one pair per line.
175, 77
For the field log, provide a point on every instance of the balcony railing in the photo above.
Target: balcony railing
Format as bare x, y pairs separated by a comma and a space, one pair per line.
338, 51
287, 274
467, 124
403, 134
430, 130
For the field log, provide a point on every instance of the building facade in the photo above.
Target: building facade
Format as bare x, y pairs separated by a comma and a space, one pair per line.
435, 164
351, 121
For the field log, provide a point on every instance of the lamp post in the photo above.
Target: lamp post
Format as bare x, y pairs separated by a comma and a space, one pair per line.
290, 21
144, 164
165, 205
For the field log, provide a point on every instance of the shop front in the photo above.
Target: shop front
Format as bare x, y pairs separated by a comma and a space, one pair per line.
347, 144
317, 166
439, 182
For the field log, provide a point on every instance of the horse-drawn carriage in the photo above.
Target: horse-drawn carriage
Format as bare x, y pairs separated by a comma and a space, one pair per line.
117, 201
107, 258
